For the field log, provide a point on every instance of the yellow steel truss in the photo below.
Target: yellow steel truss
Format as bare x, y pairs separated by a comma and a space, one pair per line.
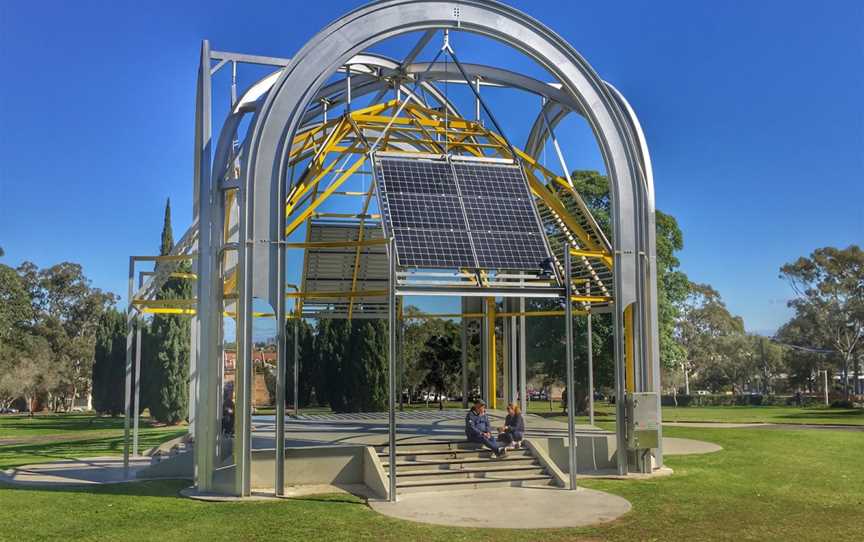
324, 150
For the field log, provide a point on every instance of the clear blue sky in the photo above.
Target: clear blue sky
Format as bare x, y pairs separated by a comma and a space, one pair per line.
752, 112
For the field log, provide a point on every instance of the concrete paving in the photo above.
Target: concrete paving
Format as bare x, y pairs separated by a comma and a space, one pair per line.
96, 470
508, 508
686, 446
371, 428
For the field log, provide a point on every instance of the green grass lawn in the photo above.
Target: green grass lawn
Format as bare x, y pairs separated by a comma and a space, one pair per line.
766, 414
764, 485
49, 437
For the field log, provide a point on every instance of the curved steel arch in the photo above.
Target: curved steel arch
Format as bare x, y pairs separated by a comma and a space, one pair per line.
263, 187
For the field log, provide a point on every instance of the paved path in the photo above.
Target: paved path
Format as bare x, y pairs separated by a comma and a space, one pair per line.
763, 425
97, 470
535, 508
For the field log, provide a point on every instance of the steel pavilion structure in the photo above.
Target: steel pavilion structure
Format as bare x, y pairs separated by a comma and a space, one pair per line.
297, 140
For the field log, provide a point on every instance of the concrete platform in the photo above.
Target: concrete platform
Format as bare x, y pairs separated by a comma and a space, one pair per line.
96, 470
686, 446
371, 428
538, 508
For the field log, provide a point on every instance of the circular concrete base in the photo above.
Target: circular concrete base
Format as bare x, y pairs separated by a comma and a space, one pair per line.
507, 508
686, 446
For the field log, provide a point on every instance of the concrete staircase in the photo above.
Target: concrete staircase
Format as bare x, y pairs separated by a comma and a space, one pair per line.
433, 466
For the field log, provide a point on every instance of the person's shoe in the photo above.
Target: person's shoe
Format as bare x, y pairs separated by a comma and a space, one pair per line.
501, 452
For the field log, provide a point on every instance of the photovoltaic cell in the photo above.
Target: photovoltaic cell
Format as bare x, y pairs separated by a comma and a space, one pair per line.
460, 214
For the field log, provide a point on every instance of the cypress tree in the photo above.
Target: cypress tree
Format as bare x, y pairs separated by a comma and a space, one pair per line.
109, 367
167, 358
167, 232
369, 363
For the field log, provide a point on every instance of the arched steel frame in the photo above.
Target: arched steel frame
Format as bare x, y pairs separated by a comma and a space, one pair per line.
287, 106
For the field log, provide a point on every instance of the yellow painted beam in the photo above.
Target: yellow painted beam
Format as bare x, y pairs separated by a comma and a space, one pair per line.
163, 303
167, 258
337, 244
589, 253
492, 356
591, 298
330, 189
630, 366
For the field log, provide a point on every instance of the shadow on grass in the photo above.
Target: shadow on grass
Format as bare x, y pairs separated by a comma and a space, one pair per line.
822, 414
168, 489
23, 454
336, 498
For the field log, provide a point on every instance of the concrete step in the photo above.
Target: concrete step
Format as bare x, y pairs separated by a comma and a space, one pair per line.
474, 483
426, 464
414, 455
461, 474
431, 445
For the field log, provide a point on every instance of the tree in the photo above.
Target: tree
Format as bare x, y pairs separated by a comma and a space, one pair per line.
34, 373
166, 362
109, 365
703, 321
803, 362
170, 361
331, 345
15, 304
672, 283
441, 360
167, 233
65, 312
829, 285
365, 370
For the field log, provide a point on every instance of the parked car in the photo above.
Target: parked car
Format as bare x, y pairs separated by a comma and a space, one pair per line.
538, 395
8, 411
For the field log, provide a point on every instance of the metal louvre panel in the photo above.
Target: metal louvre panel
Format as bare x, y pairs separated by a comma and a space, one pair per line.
331, 269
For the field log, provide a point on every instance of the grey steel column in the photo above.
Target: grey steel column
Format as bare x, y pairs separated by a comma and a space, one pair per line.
137, 408
391, 376
464, 338
620, 407
484, 349
297, 364
127, 406
514, 357
590, 372
208, 330
523, 359
505, 353
568, 336
281, 368
400, 363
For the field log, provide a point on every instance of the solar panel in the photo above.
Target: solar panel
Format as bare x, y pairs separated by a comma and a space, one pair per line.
446, 214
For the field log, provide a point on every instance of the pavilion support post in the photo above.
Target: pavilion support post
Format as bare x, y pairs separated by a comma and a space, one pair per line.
464, 340
130, 334
484, 351
571, 392
391, 375
506, 354
514, 358
400, 364
136, 410
296, 379
491, 354
523, 358
590, 371
281, 369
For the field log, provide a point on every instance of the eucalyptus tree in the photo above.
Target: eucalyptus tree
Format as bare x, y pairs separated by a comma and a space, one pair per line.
829, 288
